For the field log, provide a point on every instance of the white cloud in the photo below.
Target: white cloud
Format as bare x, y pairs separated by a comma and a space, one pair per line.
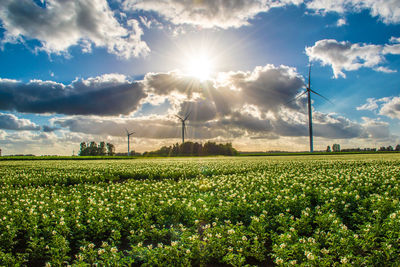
376, 129
387, 10
341, 22
345, 56
386, 106
208, 13
370, 105
391, 108
62, 24
393, 48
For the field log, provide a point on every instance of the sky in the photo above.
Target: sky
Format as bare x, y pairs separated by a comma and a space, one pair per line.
80, 71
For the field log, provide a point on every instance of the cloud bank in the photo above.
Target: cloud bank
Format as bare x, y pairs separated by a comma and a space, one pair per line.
253, 104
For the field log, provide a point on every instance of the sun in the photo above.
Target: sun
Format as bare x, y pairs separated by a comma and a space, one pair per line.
200, 67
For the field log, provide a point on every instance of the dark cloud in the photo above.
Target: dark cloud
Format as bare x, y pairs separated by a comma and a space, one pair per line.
48, 129
166, 83
268, 87
247, 122
200, 110
12, 122
104, 95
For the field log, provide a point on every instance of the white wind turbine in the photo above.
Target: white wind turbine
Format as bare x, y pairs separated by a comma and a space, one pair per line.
308, 91
128, 134
183, 120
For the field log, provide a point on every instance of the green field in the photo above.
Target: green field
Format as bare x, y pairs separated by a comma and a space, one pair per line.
310, 210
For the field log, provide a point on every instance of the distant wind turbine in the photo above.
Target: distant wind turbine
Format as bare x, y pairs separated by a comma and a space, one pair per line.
309, 91
128, 134
183, 120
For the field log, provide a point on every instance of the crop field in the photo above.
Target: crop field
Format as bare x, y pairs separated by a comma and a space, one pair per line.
222, 211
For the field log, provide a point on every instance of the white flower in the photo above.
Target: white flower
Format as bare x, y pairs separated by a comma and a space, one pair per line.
309, 255
324, 251
279, 261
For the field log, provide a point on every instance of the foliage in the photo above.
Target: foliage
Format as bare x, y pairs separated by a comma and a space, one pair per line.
92, 149
312, 211
194, 149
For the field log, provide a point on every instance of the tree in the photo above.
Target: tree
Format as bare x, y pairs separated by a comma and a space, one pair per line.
83, 150
328, 149
93, 151
110, 149
389, 148
102, 149
397, 148
336, 148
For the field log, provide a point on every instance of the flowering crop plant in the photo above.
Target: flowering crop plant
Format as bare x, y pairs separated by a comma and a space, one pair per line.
310, 210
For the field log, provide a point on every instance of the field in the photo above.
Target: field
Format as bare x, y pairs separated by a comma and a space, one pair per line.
310, 210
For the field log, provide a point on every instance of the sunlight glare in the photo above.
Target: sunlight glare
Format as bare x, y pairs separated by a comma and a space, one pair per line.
200, 67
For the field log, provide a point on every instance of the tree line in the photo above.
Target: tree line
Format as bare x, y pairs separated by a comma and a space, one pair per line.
92, 149
382, 148
194, 149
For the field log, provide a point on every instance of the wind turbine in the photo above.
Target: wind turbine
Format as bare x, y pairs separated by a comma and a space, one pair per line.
309, 91
128, 134
183, 120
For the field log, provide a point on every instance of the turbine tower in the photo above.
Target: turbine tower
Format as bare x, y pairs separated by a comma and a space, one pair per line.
183, 120
128, 134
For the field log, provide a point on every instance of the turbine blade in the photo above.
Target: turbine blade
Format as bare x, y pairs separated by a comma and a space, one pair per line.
179, 117
295, 98
187, 115
322, 96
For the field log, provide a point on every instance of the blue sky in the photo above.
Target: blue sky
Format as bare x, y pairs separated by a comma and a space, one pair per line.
81, 71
